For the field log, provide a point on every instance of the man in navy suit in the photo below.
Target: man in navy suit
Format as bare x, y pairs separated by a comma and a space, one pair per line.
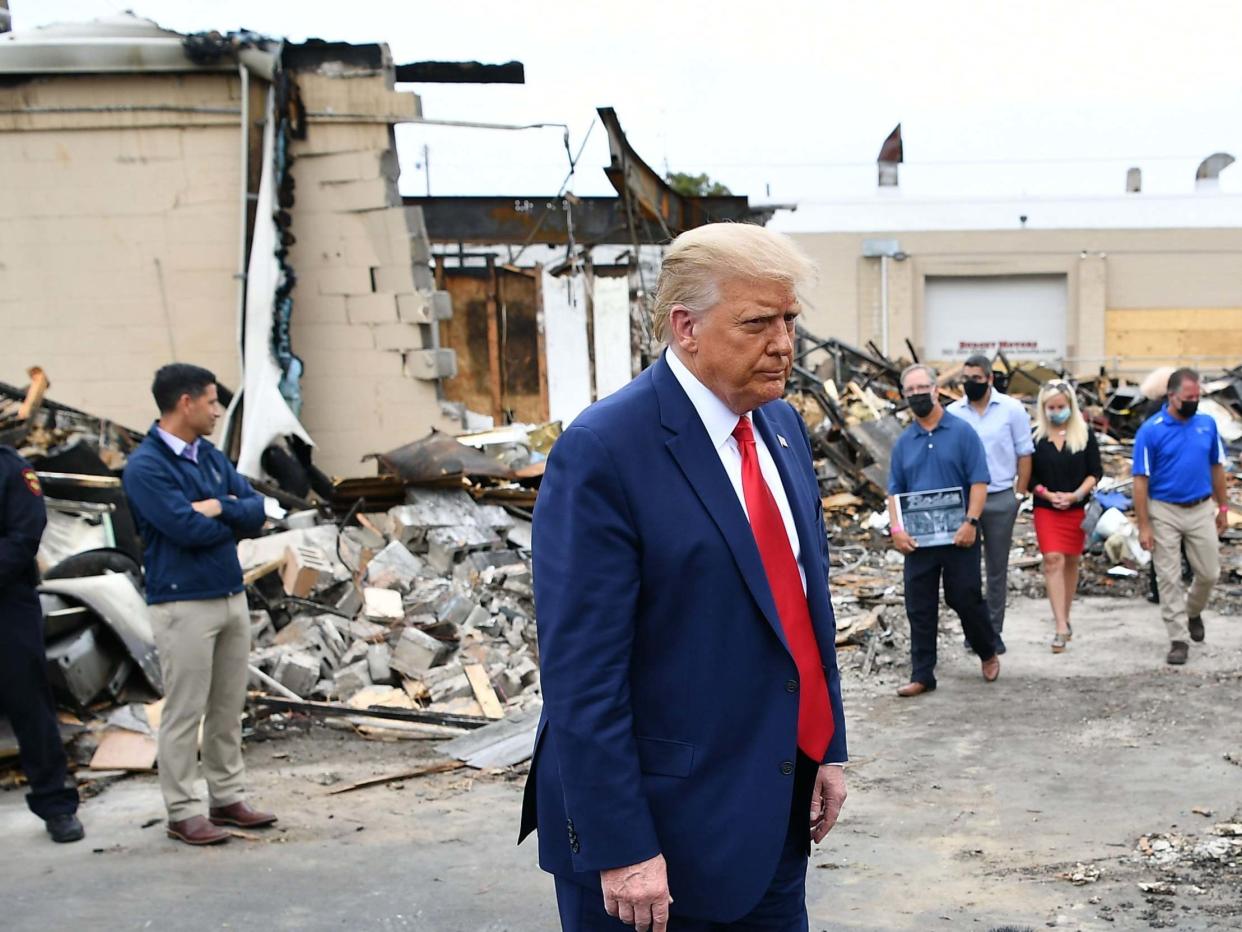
692, 739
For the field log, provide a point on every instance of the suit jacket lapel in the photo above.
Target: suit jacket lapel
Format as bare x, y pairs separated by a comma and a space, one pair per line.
692, 450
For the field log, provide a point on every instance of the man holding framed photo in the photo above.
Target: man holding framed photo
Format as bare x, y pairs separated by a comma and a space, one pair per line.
938, 476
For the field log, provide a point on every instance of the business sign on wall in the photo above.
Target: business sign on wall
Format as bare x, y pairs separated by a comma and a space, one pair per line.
1023, 315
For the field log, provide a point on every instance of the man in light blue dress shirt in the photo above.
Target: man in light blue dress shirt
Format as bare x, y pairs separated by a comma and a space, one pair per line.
1005, 429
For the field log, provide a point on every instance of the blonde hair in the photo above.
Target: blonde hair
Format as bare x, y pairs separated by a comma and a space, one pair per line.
699, 259
1075, 427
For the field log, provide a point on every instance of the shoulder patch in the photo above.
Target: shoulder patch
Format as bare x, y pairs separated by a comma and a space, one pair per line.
32, 482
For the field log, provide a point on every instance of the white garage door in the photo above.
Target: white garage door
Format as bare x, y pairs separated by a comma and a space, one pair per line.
1024, 315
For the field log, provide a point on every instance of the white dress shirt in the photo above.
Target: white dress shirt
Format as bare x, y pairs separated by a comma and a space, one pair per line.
719, 422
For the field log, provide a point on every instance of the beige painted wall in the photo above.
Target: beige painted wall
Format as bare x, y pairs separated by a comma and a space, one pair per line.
119, 238
1135, 270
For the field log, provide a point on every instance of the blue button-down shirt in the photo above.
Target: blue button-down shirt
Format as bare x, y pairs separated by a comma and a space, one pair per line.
1005, 429
179, 447
1177, 456
949, 455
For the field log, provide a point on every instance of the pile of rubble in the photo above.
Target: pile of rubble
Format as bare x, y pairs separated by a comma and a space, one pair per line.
427, 605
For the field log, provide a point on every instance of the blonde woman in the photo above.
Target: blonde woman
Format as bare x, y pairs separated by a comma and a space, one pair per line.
1064, 469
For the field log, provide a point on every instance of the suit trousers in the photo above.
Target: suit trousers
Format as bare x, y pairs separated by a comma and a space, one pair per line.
963, 592
996, 525
781, 909
204, 650
1194, 528
26, 697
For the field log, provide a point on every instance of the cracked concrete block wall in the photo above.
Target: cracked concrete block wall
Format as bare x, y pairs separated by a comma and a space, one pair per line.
358, 277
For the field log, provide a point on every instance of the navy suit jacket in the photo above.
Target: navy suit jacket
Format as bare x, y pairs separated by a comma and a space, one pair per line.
670, 697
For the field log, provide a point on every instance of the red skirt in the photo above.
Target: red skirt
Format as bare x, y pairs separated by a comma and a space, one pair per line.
1059, 531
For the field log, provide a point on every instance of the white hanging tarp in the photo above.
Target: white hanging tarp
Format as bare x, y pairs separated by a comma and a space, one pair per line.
266, 415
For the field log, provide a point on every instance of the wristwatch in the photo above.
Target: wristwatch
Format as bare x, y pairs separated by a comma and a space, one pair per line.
974, 522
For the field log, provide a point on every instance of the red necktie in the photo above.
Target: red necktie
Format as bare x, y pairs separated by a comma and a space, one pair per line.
815, 723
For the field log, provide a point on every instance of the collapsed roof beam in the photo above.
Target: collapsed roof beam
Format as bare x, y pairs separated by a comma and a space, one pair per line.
542, 220
461, 72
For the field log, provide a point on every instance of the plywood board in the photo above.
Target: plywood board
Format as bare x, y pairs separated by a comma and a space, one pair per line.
483, 691
124, 750
1169, 335
517, 326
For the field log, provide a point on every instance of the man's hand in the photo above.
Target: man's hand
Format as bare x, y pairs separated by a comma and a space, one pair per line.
1147, 538
903, 541
965, 536
827, 800
638, 895
1222, 522
208, 508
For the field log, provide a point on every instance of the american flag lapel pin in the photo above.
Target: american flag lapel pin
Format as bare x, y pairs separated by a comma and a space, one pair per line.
783, 441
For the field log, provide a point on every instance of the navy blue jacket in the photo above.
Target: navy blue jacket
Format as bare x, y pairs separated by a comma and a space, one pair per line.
669, 723
22, 519
189, 556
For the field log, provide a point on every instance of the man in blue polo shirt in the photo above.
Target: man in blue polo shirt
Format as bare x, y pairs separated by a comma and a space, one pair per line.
1005, 429
1179, 498
940, 452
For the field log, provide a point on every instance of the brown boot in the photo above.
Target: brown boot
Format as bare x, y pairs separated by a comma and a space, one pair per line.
913, 688
1178, 653
991, 668
241, 815
196, 830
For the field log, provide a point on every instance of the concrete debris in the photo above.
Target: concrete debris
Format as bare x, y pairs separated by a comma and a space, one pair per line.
1081, 874
416, 653
297, 671
394, 567
304, 571
382, 604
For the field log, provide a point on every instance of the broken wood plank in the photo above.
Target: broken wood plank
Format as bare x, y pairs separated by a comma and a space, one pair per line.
124, 750
852, 633
441, 767
34, 395
841, 500
253, 575
483, 691
424, 716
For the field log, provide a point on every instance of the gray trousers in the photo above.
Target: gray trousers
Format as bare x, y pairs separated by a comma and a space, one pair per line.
996, 525
204, 651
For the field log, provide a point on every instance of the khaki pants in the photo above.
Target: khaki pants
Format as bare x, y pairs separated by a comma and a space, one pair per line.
1174, 525
204, 650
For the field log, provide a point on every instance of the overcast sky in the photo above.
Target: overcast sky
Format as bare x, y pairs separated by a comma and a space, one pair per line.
790, 101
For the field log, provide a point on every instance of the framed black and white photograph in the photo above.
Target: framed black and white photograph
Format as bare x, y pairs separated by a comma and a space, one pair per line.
932, 517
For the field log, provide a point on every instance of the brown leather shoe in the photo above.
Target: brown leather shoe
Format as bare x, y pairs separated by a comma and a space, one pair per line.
196, 830
914, 688
991, 668
1178, 653
241, 815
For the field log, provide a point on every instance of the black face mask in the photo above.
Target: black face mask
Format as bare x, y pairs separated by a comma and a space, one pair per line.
1188, 409
976, 390
1000, 381
922, 404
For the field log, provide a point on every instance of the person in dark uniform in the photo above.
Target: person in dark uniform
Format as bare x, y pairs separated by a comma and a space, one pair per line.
25, 694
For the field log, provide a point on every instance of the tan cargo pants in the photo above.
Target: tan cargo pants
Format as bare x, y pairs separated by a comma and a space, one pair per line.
1195, 526
204, 650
